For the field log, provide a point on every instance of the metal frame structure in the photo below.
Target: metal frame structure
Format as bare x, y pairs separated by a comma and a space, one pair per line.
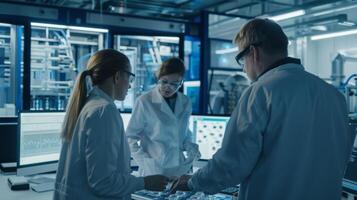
20, 99
116, 24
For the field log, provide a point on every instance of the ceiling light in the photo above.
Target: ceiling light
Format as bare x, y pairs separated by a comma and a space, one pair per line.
335, 34
346, 23
3, 24
329, 11
48, 25
88, 29
319, 28
69, 27
168, 39
288, 15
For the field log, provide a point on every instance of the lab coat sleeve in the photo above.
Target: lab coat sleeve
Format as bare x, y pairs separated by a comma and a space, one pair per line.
187, 142
135, 130
241, 146
188, 145
192, 149
105, 174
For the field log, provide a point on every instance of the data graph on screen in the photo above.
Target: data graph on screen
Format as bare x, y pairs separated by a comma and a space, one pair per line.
40, 137
208, 133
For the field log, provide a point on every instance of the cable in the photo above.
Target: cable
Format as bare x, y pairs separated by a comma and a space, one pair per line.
348, 79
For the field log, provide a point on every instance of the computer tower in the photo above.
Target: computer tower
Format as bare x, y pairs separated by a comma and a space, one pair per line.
8, 139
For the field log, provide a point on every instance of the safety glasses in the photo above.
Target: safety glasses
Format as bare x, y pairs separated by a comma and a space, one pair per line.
240, 56
173, 85
131, 75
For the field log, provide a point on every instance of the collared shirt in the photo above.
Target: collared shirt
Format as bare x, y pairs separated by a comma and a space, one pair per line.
171, 101
284, 61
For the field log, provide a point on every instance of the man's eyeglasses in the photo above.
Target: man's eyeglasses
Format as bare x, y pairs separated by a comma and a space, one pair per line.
131, 75
173, 85
240, 56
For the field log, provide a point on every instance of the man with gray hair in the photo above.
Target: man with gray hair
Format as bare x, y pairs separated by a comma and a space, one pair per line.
288, 137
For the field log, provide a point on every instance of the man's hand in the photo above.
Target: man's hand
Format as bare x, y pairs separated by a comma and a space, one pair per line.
155, 182
181, 184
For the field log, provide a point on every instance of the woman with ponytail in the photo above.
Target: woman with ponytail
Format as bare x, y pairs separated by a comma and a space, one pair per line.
95, 156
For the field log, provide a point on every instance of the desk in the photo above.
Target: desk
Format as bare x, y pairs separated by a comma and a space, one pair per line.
7, 194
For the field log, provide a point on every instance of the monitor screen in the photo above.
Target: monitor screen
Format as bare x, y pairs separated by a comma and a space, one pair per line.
39, 138
350, 179
208, 132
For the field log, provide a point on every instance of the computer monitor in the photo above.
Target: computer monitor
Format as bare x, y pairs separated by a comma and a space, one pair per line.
39, 142
350, 178
208, 132
8, 139
126, 118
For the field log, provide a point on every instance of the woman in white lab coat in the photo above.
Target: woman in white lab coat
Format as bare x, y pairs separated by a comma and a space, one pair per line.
95, 156
158, 129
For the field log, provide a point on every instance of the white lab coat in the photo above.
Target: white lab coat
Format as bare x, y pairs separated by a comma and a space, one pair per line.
95, 164
163, 135
288, 138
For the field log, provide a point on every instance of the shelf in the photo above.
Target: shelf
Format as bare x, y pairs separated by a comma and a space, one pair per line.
84, 43
43, 68
41, 47
47, 93
4, 36
44, 39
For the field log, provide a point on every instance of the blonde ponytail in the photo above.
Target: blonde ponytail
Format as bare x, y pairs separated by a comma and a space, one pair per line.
102, 65
75, 105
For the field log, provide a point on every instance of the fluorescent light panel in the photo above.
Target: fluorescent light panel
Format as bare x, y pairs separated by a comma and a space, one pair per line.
4, 24
335, 34
69, 27
48, 25
88, 29
319, 28
168, 39
288, 15
346, 23
329, 11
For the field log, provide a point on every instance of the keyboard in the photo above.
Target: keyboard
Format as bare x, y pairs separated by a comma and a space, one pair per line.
40, 180
43, 187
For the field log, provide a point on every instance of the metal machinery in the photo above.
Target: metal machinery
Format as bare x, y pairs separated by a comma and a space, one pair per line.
146, 53
350, 92
11, 67
58, 53
337, 77
226, 91
226, 80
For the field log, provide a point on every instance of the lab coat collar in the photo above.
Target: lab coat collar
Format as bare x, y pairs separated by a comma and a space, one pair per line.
284, 63
164, 107
99, 92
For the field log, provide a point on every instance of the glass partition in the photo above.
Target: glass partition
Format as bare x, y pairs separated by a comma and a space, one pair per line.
226, 80
145, 53
11, 68
58, 53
